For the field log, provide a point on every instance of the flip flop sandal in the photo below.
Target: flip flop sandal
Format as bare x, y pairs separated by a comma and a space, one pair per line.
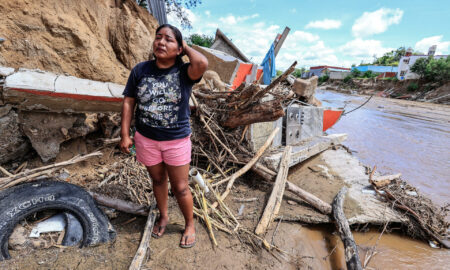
186, 237
158, 235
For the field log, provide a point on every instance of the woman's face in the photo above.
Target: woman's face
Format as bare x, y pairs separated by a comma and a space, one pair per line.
165, 46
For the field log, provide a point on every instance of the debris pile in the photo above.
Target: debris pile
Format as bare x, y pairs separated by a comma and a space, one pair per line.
426, 221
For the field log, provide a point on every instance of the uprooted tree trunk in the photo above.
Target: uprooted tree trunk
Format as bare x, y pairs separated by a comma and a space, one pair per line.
263, 112
351, 250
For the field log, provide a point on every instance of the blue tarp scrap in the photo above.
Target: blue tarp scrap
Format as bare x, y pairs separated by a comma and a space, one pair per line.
269, 66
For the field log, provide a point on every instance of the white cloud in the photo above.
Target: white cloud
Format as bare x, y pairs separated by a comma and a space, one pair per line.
208, 13
376, 22
293, 10
254, 38
231, 20
324, 24
363, 49
298, 39
424, 44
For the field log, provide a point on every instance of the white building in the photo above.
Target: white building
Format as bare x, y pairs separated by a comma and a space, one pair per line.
407, 61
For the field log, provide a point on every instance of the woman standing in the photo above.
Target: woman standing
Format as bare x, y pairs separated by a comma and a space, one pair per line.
160, 90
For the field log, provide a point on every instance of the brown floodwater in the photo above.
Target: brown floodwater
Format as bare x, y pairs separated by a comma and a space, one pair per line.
397, 136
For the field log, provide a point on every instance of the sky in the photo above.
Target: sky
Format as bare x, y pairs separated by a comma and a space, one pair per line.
336, 33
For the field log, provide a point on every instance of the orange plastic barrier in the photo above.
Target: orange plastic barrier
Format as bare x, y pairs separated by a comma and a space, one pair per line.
330, 117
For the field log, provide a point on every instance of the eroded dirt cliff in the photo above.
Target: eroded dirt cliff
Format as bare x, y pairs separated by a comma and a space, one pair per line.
94, 39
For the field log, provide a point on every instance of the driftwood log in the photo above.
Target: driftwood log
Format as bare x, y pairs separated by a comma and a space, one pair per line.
351, 250
121, 205
269, 175
145, 242
263, 112
274, 202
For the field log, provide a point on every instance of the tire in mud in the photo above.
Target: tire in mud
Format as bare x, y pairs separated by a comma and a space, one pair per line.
18, 202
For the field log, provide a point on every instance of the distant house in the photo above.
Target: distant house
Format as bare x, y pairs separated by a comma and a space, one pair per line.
407, 61
323, 70
376, 69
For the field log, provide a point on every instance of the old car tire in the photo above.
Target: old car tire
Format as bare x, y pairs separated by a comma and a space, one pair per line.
20, 201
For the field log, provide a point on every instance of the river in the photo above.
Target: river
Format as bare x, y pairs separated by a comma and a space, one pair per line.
397, 136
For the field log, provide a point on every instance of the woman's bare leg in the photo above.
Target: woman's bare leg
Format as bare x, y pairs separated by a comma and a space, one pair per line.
178, 177
158, 173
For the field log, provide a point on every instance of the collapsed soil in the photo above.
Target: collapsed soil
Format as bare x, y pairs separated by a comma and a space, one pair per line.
92, 39
425, 91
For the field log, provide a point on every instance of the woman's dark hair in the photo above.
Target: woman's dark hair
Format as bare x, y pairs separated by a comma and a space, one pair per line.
178, 38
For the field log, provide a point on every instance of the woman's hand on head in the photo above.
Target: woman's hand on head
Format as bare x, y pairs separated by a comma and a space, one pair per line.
185, 45
125, 144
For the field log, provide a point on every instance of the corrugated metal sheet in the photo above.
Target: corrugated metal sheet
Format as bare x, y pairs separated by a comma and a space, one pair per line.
158, 9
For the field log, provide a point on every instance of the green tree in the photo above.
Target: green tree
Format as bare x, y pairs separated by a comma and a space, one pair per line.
420, 67
432, 70
356, 73
390, 58
298, 72
178, 7
200, 40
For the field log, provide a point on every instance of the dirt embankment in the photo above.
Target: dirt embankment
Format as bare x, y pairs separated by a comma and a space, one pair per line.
410, 90
93, 39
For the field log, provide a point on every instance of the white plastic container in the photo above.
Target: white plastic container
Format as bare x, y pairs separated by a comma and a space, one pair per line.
195, 174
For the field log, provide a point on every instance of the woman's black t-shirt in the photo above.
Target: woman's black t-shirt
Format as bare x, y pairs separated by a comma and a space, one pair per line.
162, 99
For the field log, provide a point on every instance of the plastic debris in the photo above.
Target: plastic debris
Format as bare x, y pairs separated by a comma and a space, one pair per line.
56, 223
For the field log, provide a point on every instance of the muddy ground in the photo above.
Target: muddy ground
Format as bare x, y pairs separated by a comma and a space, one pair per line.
233, 251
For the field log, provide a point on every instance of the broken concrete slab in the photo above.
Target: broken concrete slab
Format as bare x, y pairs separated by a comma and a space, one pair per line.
360, 207
305, 88
47, 130
350, 169
31, 79
303, 150
81, 87
115, 89
6, 71
39, 90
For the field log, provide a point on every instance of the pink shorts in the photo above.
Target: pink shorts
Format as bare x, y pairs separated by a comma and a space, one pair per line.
174, 153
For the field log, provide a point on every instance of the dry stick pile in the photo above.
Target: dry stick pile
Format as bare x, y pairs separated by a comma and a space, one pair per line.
220, 122
129, 177
426, 220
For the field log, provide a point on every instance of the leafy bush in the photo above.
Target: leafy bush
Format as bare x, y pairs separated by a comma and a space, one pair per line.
323, 79
347, 79
394, 79
412, 87
356, 73
369, 74
432, 70
298, 72
200, 40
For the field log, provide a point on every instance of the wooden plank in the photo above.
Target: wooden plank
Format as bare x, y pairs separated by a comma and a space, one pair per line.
145, 242
281, 41
274, 202
314, 201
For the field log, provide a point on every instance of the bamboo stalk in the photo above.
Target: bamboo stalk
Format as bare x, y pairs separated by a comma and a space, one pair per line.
249, 165
76, 159
207, 221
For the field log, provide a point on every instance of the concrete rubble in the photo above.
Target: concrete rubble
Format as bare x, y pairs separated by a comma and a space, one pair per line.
45, 109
